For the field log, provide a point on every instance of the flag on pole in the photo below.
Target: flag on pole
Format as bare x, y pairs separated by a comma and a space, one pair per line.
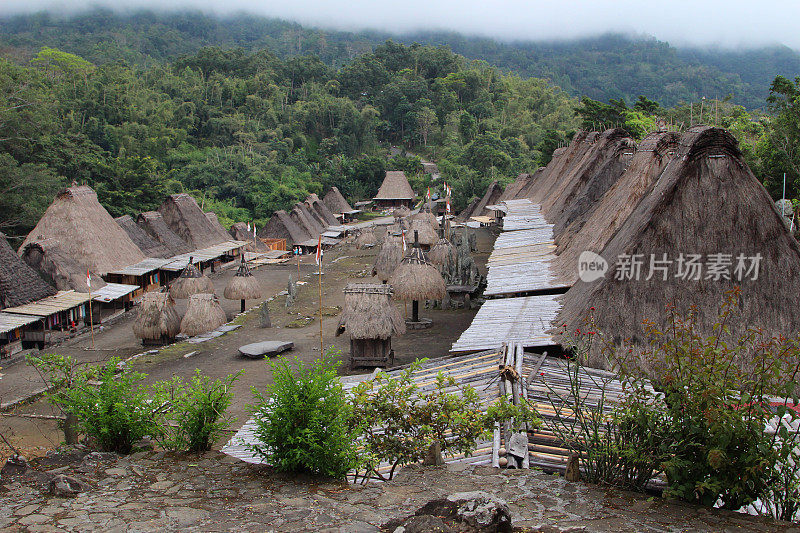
447, 206
254, 230
403, 233
318, 256
88, 279
248, 226
428, 195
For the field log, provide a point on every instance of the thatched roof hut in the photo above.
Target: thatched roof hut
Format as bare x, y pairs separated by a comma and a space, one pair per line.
366, 239
416, 279
337, 203
283, 226
57, 267
85, 232
389, 257
19, 283
426, 234
315, 220
183, 216
243, 286
190, 282
515, 189
214, 220
153, 224
149, 246
368, 312
303, 218
203, 314
239, 232
426, 216
442, 253
395, 190
318, 206
401, 212
157, 321
706, 202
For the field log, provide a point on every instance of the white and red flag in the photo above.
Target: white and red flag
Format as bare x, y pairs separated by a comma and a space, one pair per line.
403, 233
318, 256
88, 279
447, 206
428, 194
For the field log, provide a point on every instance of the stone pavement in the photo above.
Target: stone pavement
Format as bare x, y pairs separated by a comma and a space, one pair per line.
151, 491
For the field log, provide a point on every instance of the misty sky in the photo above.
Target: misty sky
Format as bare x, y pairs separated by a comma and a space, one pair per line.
730, 23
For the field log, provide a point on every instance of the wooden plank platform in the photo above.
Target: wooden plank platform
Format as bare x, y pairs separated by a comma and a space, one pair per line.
524, 319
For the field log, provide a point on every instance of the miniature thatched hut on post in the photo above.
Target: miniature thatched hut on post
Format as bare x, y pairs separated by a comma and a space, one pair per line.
371, 320
416, 279
157, 322
190, 282
401, 212
425, 215
182, 214
204, 314
424, 233
442, 254
389, 257
243, 286
366, 239
395, 191
85, 232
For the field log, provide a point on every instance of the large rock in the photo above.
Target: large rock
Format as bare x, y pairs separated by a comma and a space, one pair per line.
462, 512
259, 350
16, 464
63, 486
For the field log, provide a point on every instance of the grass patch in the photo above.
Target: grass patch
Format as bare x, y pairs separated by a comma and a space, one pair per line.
300, 322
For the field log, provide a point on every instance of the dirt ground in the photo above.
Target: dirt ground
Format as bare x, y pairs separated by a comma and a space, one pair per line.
219, 357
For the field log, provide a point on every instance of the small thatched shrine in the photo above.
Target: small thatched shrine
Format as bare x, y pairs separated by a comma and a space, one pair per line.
425, 215
366, 239
283, 226
190, 282
425, 234
401, 212
182, 214
442, 254
389, 257
86, 232
19, 283
395, 191
371, 320
157, 322
153, 224
204, 314
243, 286
416, 279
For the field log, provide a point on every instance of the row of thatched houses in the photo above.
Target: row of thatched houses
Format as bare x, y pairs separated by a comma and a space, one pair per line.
677, 221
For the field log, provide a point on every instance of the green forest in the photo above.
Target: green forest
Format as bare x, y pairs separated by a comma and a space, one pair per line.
146, 105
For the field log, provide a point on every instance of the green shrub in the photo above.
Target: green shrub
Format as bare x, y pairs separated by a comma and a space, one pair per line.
306, 423
116, 411
196, 411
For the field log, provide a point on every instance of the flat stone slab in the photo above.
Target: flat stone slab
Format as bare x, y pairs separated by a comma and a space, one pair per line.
259, 350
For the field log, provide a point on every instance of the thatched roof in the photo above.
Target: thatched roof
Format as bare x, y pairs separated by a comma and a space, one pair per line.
427, 235
157, 318
149, 246
416, 279
183, 216
337, 203
442, 253
366, 239
395, 186
490, 197
427, 217
190, 282
282, 226
303, 218
368, 313
401, 212
318, 206
243, 285
214, 220
389, 257
514, 189
203, 314
19, 283
153, 223
595, 227
705, 201
315, 220
57, 267
86, 232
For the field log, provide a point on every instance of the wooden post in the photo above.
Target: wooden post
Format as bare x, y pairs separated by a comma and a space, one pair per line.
242, 306
91, 318
321, 345
415, 311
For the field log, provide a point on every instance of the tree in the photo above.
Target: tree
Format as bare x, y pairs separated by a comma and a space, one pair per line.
426, 119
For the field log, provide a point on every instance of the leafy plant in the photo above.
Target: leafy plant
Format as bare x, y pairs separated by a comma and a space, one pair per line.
306, 424
114, 410
196, 409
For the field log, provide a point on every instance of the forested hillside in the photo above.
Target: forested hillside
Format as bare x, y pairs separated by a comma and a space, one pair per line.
602, 68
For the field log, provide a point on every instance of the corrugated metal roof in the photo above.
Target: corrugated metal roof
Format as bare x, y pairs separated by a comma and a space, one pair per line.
10, 321
151, 264
62, 301
525, 320
179, 262
112, 291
